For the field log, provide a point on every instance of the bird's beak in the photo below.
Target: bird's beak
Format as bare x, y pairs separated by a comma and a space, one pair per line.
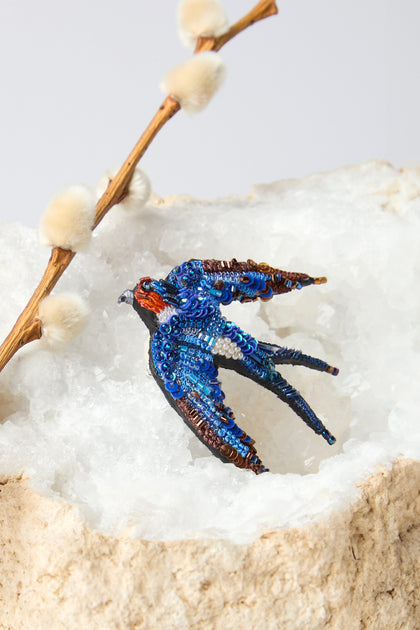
127, 296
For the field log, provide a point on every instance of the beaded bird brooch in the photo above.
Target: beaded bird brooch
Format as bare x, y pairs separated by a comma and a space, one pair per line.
190, 340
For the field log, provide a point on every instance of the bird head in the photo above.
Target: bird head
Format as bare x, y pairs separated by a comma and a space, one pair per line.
149, 298
148, 294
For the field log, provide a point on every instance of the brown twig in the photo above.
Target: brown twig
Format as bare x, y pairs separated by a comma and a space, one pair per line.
262, 10
28, 325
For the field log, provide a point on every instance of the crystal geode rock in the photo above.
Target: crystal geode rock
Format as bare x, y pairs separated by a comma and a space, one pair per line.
163, 534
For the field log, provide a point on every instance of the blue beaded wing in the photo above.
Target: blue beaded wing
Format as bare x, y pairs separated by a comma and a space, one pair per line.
231, 280
184, 367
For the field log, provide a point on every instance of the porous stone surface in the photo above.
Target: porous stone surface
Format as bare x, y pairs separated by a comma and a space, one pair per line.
357, 568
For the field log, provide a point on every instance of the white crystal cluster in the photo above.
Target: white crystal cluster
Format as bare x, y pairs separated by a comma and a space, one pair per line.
87, 423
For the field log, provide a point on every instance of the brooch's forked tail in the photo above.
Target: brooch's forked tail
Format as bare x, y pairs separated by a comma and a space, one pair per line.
290, 356
291, 396
259, 366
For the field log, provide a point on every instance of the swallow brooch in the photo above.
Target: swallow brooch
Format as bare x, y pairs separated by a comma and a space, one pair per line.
190, 340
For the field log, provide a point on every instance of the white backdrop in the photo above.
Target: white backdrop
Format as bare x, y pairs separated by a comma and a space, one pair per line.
321, 85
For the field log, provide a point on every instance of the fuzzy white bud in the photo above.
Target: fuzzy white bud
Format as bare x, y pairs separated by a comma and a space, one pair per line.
62, 317
200, 18
194, 82
139, 189
68, 219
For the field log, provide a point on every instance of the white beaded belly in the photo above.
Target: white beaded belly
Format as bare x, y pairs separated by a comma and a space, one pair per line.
227, 348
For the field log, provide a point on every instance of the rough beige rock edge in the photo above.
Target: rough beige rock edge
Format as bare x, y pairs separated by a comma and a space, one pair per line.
359, 568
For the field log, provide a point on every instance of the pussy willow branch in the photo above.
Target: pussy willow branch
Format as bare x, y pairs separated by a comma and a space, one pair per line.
262, 10
28, 325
